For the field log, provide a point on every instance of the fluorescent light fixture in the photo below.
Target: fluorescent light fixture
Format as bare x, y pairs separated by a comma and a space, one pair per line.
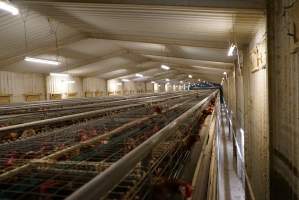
189, 76
231, 50
59, 74
71, 82
9, 8
165, 67
138, 75
125, 80
153, 82
167, 79
43, 61
224, 73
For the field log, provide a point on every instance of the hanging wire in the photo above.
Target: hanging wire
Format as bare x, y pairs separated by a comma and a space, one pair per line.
53, 30
239, 67
24, 16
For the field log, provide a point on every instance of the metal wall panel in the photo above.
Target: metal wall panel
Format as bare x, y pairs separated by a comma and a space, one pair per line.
284, 97
18, 84
64, 85
247, 97
92, 84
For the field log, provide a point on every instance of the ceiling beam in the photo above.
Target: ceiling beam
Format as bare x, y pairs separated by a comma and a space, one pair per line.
198, 76
67, 69
159, 40
184, 61
35, 52
219, 4
132, 65
216, 70
211, 58
129, 74
194, 70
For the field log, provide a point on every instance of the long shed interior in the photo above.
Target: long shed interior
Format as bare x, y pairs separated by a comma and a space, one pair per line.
152, 100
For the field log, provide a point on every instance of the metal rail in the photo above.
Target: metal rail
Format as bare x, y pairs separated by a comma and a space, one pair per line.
239, 154
67, 139
202, 177
45, 112
84, 114
95, 189
25, 107
63, 175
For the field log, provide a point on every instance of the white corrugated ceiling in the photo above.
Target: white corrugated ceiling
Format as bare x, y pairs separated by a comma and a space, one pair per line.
116, 40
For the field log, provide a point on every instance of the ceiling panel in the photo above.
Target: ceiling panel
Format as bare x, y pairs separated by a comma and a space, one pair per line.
117, 40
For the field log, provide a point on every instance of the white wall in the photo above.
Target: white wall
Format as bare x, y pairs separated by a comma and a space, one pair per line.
256, 102
246, 92
149, 87
156, 87
115, 87
168, 87
181, 87
140, 87
18, 84
62, 85
93, 84
161, 87
129, 88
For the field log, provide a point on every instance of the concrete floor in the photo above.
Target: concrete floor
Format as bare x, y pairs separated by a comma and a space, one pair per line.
230, 185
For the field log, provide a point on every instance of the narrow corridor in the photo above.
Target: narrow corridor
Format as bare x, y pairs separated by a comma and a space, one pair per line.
230, 185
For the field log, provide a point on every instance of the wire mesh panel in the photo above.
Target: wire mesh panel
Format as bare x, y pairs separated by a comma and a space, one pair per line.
55, 163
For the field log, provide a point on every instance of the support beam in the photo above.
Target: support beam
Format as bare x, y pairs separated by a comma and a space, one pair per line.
94, 60
186, 61
192, 72
219, 4
159, 40
187, 69
204, 58
131, 65
179, 76
131, 72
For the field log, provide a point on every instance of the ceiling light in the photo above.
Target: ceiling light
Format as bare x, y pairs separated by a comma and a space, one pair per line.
9, 8
165, 67
224, 73
167, 79
231, 50
181, 81
199, 79
125, 80
71, 82
138, 75
44, 61
58, 74
153, 82
189, 76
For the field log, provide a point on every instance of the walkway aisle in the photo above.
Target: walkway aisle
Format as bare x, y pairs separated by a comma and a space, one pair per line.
230, 186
